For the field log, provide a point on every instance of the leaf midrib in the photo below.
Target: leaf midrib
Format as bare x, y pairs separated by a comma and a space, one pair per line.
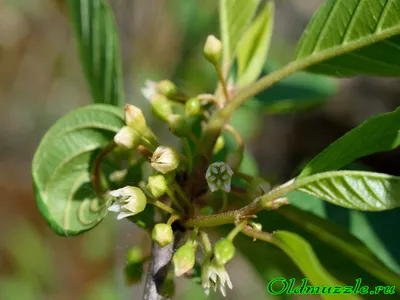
341, 49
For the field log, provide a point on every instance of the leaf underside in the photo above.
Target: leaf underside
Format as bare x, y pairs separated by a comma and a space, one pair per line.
354, 37
61, 168
367, 191
99, 50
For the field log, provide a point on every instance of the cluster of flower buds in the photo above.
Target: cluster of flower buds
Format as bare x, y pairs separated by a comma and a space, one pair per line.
130, 200
213, 272
165, 161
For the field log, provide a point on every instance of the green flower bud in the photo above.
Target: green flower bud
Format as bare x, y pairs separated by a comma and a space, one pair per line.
192, 107
178, 125
133, 272
165, 159
129, 201
219, 144
184, 258
212, 49
167, 88
157, 185
127, 138
161, 107
223, 251
162, 234
134, 118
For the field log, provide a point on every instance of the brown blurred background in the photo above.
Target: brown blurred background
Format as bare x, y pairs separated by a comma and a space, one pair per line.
41, 80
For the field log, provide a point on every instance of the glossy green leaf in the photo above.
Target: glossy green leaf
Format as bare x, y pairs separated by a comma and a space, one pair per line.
377, 134
342, 241
235, 17
253, 47
301, 252
98, 43
352, 37
298, 92
62, 163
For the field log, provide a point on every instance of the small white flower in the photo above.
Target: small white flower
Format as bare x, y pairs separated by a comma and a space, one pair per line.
214, 276
149, 89
129, 201
219, 176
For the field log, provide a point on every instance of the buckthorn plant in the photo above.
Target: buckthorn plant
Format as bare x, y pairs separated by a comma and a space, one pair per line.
105, 158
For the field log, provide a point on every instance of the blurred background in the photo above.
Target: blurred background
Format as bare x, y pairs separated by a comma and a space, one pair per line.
41, 80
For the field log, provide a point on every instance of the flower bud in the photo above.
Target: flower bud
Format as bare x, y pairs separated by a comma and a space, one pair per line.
167, 88
192, 107
161, 107
165, 159
127, 138
134, 118
178, 125
157, 185
212, 49
129, 201
224, 251
162, 234
219, 144
219, 176
184, 258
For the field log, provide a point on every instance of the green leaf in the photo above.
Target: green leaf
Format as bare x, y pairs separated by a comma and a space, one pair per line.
342, 241
61, 168
254, 45
366, 191
373, 229
364, 229
298, 92
301, 252
377, 134
344, 256
235, 16
98, 44
352, 37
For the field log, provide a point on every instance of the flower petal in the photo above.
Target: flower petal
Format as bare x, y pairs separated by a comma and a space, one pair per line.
123, 214
115, 207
